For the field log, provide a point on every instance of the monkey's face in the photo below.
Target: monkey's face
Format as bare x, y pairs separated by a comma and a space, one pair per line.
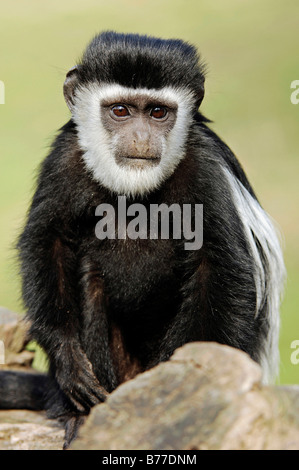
138, 127
132, 139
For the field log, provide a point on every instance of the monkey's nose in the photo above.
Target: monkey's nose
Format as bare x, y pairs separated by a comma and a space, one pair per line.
141, 134
141, 142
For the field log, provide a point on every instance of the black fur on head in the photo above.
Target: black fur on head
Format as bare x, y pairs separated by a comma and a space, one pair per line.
138, 61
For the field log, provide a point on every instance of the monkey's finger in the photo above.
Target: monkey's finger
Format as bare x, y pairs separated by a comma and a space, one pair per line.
79, 400
93, 385
86, 394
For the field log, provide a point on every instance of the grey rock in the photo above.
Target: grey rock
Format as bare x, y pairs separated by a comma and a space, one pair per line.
208, 396
29, 430
13, 335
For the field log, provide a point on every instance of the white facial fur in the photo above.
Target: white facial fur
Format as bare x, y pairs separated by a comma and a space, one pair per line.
97, 144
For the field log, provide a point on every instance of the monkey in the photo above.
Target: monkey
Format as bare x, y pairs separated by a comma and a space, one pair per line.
105, 308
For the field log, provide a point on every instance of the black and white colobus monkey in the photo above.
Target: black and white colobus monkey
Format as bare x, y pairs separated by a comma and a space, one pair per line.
105, 310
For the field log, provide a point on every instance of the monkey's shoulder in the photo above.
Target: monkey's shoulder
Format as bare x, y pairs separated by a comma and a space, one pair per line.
206, 142
64, 183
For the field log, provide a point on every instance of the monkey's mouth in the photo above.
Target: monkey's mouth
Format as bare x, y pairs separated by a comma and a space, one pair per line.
138, 162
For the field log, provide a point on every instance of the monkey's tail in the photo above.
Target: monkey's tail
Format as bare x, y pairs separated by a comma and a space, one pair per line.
23, 390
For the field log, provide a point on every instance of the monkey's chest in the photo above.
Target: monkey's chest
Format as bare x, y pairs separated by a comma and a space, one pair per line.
139, 275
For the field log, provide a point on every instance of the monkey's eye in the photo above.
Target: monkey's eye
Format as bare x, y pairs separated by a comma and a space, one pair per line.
120, 111
159, 112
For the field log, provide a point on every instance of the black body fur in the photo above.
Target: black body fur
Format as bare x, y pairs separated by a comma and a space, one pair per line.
105, 310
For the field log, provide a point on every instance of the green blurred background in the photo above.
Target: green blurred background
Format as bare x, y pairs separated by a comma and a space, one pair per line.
251, 48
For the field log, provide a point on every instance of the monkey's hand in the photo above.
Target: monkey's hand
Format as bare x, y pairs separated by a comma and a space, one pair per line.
76, 379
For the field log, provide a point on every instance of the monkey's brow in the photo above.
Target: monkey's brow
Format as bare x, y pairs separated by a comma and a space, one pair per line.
139, 101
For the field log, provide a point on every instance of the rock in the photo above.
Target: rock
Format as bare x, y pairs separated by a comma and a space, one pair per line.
208, 396
13, 337
29, 430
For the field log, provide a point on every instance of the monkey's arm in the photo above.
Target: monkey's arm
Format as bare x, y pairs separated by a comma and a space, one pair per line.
219, 290
47, 250
215, 309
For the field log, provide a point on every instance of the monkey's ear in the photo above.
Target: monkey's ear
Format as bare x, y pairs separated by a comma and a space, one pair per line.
71, 81
200, 95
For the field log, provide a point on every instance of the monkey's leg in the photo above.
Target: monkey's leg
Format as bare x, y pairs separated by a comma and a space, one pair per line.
71, 430
95, 331
94, 338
